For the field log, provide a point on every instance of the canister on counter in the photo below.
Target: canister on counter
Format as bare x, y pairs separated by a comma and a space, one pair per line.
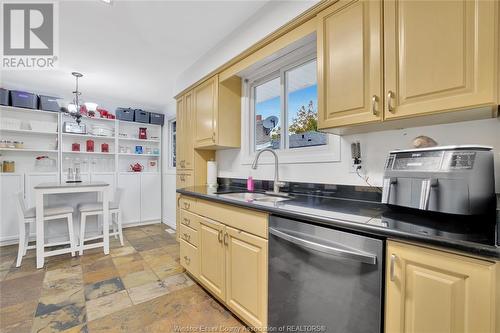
9, 166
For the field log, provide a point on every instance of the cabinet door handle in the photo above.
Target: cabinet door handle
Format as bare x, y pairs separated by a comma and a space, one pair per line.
187, 221
182, 178
213, 137
391, 269
187, 237
186, 205
374, 105
219, 236
187, 259
178, 202
225, 238
390, 96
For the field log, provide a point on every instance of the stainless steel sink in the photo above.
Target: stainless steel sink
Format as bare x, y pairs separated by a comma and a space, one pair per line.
250, 197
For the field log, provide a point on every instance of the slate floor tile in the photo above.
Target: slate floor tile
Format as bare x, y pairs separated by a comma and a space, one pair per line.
103, 306
103, 288
139, 278
23, 289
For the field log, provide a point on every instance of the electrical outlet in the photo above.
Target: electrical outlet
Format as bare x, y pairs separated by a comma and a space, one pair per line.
356, 165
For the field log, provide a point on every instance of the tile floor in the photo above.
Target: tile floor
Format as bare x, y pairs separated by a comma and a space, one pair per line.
139, 287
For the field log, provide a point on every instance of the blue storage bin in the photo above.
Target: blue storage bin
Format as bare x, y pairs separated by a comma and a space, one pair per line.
156, 118
125, 114
4, 96
23, 99
49, 103
141, 116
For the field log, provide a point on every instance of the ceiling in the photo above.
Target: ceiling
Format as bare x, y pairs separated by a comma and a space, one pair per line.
131, 52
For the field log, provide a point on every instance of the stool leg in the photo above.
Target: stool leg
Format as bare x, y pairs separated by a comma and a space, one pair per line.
83, 217
26, 238
22, 244
119, 221
114, 222
71, 232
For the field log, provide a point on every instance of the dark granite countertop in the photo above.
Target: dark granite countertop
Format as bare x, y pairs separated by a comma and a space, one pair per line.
475, 235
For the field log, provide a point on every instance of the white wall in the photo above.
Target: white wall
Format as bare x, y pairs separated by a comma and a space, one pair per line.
374, 149
265, 21
168, 185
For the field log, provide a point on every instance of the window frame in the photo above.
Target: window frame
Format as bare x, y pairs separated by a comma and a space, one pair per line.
171, 147
274, 69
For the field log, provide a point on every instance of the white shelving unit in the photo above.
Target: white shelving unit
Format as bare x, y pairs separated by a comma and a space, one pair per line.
141, 196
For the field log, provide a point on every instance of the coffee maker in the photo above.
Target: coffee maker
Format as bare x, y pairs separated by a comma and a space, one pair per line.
447, 179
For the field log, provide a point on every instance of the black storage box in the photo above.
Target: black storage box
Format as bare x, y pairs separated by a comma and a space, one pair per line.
48, 103
4, 96
125, 114
141, 116
156, 118
22, 99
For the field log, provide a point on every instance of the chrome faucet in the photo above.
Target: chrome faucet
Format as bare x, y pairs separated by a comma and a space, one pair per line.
277, 184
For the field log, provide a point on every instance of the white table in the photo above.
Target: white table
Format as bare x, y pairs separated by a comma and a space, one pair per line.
66, 188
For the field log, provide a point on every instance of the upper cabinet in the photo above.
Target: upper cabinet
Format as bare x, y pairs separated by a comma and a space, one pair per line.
434, 57
439, 55
185, 132
217, 108
349, 39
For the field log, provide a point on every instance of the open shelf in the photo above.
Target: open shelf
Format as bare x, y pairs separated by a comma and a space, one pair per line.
139, 140
87, 152
26, 131
30, 150
16, 109
89, 136
91, 118
139, 155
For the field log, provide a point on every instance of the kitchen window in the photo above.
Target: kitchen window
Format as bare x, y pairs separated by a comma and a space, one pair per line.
283, 110
173, 140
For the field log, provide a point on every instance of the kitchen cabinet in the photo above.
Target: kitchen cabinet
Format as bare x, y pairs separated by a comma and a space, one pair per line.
246, 276
150, 197
230, 247
350, 62
217, 109
434, 291
131, 197
10, 185
184, 179
140, 197
185, 132
439, 55
212, 259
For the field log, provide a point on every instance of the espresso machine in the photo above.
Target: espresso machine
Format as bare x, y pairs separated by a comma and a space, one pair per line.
447, 179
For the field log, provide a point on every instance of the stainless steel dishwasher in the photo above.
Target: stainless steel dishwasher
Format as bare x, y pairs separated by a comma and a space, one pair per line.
322, 279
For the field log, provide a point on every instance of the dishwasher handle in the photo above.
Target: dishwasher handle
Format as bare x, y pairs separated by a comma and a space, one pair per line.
339, 252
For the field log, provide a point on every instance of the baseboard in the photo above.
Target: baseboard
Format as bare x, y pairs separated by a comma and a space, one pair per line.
171, 224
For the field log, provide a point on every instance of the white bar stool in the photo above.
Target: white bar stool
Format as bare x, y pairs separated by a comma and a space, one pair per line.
95, 208
27, 216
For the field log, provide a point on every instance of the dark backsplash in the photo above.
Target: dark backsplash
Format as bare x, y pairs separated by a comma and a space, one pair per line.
366, 193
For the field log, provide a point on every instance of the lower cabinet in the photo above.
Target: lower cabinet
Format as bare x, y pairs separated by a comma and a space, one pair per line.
246, 276
231, 263
10, 185
212, 259
141, 197
434, 291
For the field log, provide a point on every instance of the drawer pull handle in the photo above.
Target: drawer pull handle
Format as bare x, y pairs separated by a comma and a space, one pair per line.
225, 238
374, 105
187, 237
219, 236
187, 221
186, 205
187, 260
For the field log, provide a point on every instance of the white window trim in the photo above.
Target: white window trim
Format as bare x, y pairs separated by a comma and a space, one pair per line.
170, 161
316, 154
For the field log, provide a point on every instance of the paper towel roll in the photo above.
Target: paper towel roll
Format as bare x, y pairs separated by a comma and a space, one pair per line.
212, 174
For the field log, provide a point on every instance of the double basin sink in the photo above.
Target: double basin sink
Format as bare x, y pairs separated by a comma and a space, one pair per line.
255, 197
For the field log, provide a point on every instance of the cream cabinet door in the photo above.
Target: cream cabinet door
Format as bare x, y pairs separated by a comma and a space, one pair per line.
205, 107
434, 291
184, 179
179, 144
188, 132
439, 55
211, 255
246, 276
350, 63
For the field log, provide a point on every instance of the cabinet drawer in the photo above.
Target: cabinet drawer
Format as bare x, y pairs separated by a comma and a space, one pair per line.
190, 220
187, 203
189, 235
189, 258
